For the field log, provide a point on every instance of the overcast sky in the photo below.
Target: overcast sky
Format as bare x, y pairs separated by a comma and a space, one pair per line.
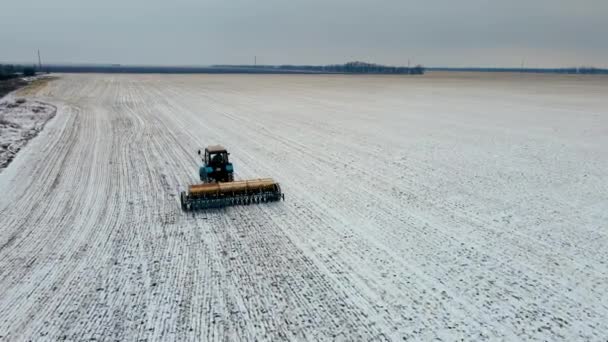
549, 33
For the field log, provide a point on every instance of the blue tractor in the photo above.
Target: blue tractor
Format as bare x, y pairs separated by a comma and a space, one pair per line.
216, 166
219, 189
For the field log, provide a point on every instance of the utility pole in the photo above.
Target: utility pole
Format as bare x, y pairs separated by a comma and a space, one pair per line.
521, 70
255, 60
39, 62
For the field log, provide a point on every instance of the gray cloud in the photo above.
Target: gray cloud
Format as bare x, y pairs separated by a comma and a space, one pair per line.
433, 32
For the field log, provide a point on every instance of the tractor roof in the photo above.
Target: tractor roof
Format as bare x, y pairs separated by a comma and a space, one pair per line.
215, 148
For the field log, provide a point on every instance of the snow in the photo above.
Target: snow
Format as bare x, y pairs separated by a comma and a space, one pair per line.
448, 206
20, 121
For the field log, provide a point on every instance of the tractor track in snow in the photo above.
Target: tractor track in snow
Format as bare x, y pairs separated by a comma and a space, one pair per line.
416, 208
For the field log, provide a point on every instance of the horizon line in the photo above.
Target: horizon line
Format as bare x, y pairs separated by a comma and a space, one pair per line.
215, 65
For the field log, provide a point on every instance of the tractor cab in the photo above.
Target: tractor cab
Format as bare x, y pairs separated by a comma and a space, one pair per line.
216, 167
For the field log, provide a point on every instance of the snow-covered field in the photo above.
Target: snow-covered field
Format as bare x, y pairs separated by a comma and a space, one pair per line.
20, 121
449, 206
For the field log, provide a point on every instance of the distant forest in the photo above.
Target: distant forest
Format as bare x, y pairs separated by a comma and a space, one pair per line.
8, 71
348, 68
574, 70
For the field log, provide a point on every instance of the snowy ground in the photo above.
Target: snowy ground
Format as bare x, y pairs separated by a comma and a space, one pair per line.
20, 121
441, 207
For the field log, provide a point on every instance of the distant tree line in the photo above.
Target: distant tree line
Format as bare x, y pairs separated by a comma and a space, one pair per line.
350, 68
359, 68
584, 70
354, 67
8, 71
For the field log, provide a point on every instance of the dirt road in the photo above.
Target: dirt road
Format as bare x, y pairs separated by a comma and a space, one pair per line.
441, 207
